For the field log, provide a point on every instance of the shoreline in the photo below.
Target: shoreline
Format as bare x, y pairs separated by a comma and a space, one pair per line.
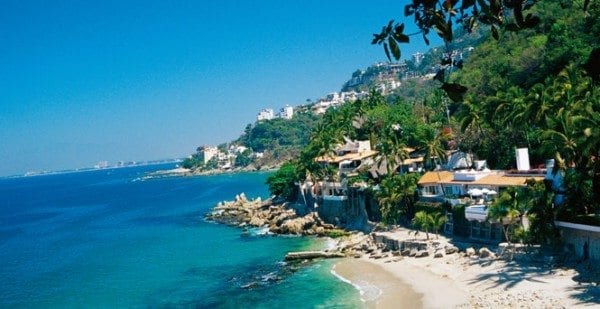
378, 288
459, 280
184, 172
398, 268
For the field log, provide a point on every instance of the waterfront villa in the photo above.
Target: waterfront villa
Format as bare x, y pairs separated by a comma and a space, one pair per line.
349, 157
439, 185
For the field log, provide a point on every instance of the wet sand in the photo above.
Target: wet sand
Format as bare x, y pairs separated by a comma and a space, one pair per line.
379, 288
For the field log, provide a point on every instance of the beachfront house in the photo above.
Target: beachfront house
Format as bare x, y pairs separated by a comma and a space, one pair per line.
414, 163
476, 187
350, 157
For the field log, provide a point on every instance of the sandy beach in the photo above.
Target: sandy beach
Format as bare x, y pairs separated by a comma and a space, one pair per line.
459, 281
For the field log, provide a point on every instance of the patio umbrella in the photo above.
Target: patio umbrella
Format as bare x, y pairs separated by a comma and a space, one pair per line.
475, 192
492, 192
485, 191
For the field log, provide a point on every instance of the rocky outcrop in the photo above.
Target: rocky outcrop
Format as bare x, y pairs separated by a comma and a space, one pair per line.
308, 255
279, 218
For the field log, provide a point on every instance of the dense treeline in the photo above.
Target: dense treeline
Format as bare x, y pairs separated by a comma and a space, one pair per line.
279, 133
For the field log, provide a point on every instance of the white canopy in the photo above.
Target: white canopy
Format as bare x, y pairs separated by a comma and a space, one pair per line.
475, 192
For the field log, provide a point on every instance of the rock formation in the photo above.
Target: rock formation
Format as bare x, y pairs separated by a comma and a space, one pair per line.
279, 218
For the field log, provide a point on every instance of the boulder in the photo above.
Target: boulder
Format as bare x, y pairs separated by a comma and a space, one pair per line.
422, 253
319, 230
438, 255
470, 252
405, 252
450, 249
485, 252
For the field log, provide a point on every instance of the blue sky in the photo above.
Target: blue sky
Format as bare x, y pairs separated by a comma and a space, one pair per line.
85, 81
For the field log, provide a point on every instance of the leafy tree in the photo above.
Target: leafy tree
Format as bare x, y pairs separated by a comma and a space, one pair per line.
243, 159
396, 196
211, 164
193, 161
282, 182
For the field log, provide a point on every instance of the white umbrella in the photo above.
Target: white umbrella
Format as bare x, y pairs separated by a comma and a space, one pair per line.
492, 192
475, 192
485, 191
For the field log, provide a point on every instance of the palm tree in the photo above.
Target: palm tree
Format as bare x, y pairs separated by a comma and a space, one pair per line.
509, 209
437, 220
392, 148
434, 150
389, 199
470, 116
561, 138
422, 221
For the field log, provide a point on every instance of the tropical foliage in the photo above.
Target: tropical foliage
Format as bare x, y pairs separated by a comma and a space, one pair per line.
533, 83
282, 182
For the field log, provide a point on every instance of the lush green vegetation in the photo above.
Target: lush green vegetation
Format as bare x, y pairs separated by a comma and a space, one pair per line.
426, 222
390, 127
535, 88
282, 182
275, 134
533, 83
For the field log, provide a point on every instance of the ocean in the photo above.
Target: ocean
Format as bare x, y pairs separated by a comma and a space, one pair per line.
108, 238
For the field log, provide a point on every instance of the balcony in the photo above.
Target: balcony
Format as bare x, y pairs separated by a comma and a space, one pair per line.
476, 213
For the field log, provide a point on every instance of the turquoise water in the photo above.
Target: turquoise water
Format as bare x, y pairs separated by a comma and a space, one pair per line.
107, 239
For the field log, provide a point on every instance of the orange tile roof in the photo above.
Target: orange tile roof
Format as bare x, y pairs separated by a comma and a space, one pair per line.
436, 177
446, 177
504, 180
349, 156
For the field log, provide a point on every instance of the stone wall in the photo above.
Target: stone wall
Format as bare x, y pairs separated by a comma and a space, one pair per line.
353, 213
581, 241
350, 213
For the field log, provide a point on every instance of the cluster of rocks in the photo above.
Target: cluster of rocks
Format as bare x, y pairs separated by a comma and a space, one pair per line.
277, 217
520, 299
481, 253
378, 246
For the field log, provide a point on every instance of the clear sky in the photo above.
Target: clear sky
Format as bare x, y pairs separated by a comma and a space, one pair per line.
85, 81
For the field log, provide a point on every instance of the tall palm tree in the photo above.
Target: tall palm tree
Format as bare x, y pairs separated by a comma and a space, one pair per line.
392, 149
437, 220
509, 208
422, 221
434, 150
470, 115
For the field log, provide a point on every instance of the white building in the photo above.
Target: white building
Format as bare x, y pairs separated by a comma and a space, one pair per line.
286, 112
265, 114
208, 152
417, 57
